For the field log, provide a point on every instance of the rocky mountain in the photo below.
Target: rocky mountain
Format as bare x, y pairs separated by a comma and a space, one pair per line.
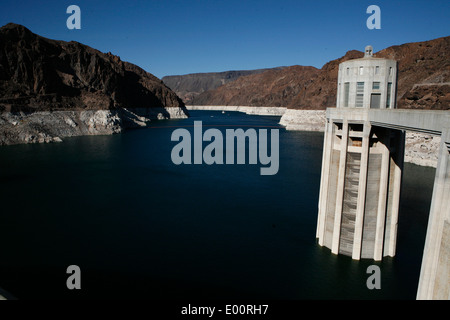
424, 73
191, 85
424, 81
41, 74
273, 88
95, 92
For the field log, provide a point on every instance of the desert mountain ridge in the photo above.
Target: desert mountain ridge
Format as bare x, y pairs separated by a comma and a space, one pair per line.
191, 85
51, 89
40, 74
423, 81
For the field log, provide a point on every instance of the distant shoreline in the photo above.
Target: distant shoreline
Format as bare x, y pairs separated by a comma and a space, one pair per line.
44, 127
421, 149
261, 111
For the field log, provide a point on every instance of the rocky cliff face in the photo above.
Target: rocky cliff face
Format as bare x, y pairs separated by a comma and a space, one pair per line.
39, 75
191, 85
424, 81
424, 73
273, 88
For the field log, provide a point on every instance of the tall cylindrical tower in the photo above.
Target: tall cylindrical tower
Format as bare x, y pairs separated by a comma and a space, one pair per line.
362, 164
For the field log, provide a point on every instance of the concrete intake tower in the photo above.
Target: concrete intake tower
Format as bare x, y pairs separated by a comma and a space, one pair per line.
362, 168
362, 165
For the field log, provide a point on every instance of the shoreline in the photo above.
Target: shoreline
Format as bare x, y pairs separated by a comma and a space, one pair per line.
53, 126
260, 111
420, 149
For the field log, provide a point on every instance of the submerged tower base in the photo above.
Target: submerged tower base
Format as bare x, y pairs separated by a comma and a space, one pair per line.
360, 187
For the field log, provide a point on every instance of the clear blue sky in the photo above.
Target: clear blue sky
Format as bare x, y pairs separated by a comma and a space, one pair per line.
169, 37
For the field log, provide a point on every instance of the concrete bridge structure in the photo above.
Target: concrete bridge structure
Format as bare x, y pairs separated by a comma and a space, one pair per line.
362, 169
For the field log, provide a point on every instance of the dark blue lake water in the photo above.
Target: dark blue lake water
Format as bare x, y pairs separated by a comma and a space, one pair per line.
139, 226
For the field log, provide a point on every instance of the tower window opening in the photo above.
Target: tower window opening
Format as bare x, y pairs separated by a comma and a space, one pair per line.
376, 86
346, 93
388, 98
359, 94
